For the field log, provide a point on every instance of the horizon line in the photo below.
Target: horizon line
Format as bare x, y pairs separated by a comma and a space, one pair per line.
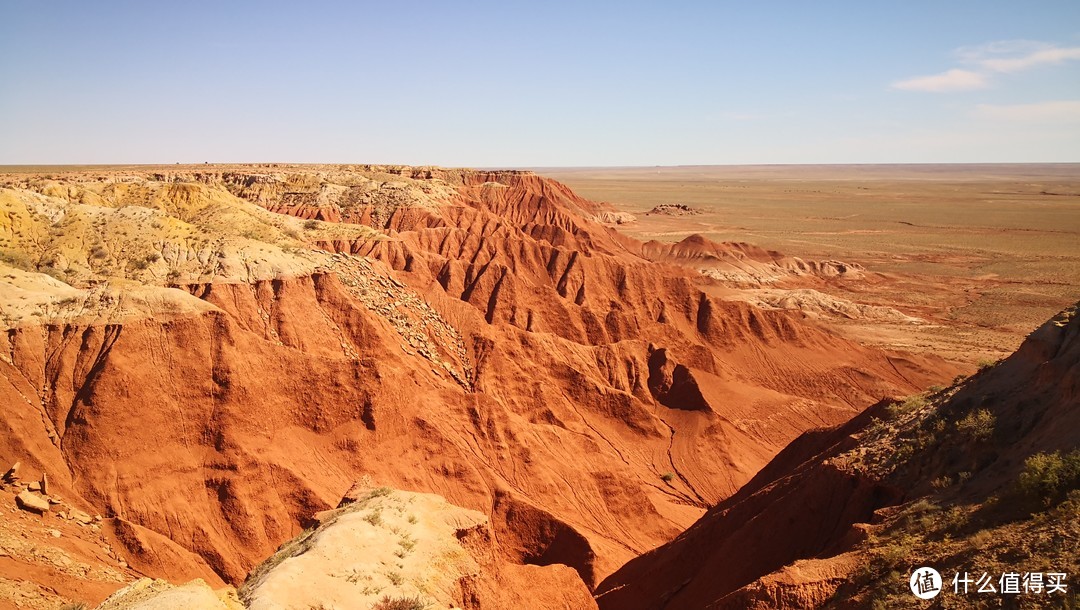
11, 166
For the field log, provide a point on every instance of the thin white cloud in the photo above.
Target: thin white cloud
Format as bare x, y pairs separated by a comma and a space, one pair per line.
1057, 111
953, 80
986, 60
1038, 58
1000, 48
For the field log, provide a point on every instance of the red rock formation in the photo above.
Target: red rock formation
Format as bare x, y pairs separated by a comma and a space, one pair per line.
585, 374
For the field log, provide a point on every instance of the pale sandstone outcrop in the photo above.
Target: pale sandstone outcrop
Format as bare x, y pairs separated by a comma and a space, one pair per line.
385, 544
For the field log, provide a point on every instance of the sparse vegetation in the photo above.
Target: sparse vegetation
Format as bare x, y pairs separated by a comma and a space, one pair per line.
908, 405
395, 578
290, 548
400, 603
374, 517
348, 444
986, 364
144, 263
15, 259
667, 477
895, 552
875, 427
355, 576
922, 513
59, 274
311, 225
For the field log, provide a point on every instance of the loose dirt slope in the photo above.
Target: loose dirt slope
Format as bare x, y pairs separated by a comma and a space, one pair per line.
208, 356
979, 477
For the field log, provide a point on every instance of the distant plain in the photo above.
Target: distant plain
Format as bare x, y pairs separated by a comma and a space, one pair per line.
989, 251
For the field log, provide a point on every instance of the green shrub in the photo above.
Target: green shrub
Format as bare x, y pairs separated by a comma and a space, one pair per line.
1048, 477
909, 404
667, 477
977, 425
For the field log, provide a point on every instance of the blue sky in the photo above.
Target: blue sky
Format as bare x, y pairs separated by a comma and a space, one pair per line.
540, 84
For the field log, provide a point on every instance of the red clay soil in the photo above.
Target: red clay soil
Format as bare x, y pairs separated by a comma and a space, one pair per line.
782, 540
601, 400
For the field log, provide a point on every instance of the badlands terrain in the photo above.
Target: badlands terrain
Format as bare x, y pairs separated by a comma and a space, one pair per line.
295, 386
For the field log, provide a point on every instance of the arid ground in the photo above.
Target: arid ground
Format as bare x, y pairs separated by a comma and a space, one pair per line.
984, 252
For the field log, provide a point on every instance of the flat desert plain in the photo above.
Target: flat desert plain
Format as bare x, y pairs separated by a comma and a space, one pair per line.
981, 253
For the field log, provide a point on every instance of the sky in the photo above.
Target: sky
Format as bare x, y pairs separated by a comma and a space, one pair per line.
540, 84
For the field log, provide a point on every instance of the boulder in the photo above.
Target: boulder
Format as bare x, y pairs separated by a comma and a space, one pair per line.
32, 502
